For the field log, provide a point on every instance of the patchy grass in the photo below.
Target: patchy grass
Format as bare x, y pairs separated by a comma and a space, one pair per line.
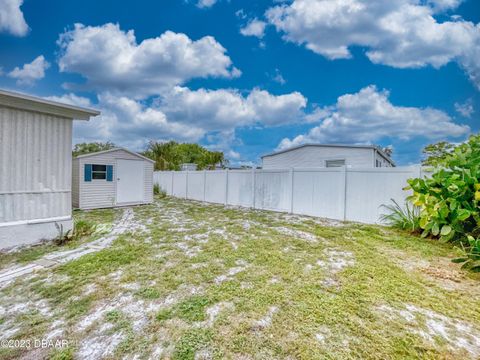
102, 218
192, 280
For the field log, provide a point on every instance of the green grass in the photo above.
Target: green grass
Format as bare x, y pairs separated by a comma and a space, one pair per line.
200, 281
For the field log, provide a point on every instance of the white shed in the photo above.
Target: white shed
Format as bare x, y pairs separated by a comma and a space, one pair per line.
110, 178
35, 167
328, 155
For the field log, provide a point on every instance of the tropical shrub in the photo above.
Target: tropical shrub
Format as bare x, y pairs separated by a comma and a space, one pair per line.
449, 200
404, 218
471, 257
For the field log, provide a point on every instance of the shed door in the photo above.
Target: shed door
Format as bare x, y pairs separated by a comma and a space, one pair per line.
130, 182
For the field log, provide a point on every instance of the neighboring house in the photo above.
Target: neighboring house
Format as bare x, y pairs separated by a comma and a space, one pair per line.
110, 178
323, 155
35, 167
188, 167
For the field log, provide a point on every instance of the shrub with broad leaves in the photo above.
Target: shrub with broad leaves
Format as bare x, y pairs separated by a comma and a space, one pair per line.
449, 201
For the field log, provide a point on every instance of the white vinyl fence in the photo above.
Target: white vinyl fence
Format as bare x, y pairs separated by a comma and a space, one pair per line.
354, 194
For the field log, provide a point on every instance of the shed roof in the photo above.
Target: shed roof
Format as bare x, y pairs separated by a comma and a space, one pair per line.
112, 150
33, 103
373, 147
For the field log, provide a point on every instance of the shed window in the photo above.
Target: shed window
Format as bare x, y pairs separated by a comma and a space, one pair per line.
334, 163
99, 172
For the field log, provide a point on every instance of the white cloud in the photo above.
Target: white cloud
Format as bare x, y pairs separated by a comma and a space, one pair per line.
206, 3
225, 109
71, 99
11, 18
31, 72
111, 60
255, 28
184, 115
398, 33
368, 116
466, 109
278, 78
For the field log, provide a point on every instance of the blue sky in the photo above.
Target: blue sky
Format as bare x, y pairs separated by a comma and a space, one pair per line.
251, 77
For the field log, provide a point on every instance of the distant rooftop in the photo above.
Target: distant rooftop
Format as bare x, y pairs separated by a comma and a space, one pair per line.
373, 147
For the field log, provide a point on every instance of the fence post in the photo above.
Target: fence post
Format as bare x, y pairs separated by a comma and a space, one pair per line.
344, 193
186, 185
172, 182
226, 187
253, 187
204, 184
291, 189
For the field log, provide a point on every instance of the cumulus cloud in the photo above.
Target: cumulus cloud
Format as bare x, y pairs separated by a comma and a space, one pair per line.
368, 116
111, 60
398, 33
30, 72
71, 99
465, 109
11, 18
184, 115
255, 28
225, 109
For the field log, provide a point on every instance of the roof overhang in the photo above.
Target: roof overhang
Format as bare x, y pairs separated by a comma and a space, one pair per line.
32, 103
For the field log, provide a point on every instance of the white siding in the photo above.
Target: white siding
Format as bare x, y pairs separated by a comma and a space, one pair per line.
35, 165
316, 157
380, 161
102, 193
75, 184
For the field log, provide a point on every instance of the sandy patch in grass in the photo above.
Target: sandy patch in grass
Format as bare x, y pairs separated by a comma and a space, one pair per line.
241, 266
430, 325
335, 262
298, 234
99, 345
265, 321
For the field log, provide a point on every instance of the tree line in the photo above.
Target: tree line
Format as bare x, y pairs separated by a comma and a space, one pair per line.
168, 155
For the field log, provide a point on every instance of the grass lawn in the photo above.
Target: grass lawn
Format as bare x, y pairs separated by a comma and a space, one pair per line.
191, 280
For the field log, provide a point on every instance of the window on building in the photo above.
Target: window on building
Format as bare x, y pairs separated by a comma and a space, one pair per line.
334, 163
99, 172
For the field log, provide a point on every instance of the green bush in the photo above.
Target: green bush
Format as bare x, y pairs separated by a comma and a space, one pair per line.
404, 218
471, 258
156, 189
449, 200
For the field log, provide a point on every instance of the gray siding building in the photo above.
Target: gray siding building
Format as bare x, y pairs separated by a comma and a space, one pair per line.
110, 178
35, 167
325, 155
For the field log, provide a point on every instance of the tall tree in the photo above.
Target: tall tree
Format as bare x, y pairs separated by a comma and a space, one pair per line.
87, 148
436, 154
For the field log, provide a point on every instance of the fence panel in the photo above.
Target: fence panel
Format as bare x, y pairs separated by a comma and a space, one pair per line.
179, 187
240, 185
215, 186
368, 189
338, 193
164, 180
319, 193
272, 190
196, 185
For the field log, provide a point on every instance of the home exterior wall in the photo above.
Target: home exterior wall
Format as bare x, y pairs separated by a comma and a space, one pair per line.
316, 157
380, 161
101, 193
35, 186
